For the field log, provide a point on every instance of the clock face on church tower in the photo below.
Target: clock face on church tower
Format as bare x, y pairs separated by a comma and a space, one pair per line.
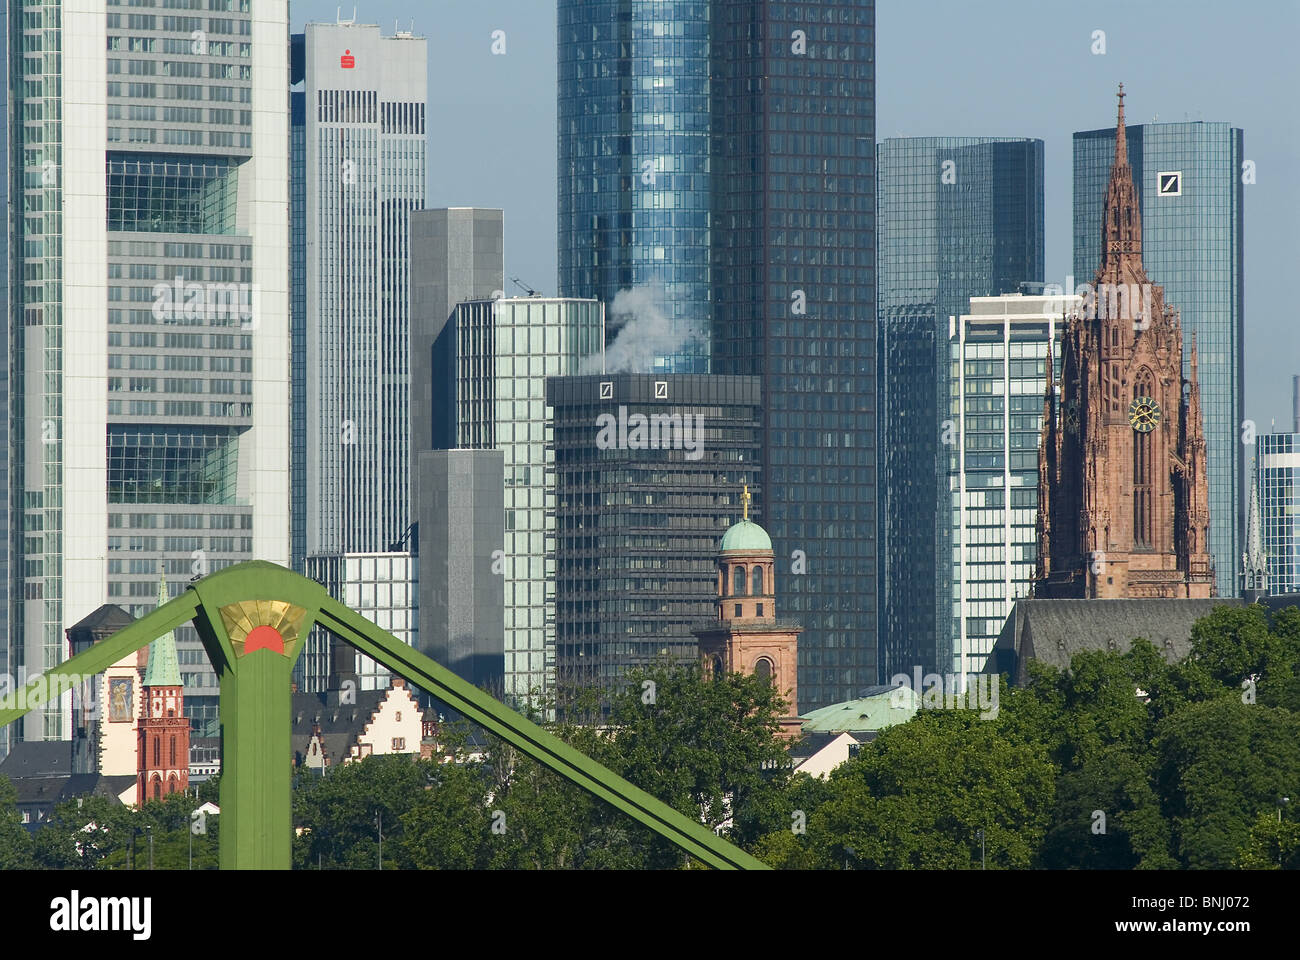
1144, 414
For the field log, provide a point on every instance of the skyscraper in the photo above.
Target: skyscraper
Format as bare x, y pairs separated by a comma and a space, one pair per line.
147, 337
499, 354
1278, 465
959, 217
635, 186
725, 151
998, 370
364, 170
1123, 499
1190, 189
649, 474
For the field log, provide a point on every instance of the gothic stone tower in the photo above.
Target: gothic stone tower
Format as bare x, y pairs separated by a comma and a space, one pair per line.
163, 751
748, 638
1123, 498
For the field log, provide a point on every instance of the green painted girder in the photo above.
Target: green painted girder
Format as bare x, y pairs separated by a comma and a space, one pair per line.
256, 799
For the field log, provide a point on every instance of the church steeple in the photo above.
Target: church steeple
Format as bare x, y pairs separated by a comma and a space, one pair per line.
1121, 224
163, 744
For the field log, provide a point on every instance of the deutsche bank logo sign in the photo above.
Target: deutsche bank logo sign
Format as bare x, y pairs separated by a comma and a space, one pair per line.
1170, 184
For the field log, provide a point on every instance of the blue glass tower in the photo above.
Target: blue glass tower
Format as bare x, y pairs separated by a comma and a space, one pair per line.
725, 150
794, 300
1278, 465
634, 176
959, 217
1190, 185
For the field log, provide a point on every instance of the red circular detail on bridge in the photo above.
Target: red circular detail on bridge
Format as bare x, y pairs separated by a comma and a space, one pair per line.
264, 638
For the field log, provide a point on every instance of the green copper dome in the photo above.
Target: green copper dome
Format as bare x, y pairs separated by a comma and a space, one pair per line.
747, 536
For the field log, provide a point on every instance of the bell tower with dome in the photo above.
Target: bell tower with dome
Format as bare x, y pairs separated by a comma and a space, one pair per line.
747, 636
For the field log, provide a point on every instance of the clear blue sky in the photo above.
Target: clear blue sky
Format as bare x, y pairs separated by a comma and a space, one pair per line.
943, 68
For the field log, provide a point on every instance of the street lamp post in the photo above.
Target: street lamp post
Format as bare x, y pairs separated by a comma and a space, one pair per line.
149, 830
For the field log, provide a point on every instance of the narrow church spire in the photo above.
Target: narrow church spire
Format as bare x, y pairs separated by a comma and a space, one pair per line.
1121, 133
1256, 562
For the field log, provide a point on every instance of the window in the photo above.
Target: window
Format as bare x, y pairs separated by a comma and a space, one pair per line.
760, 610
738, 582
763, 668
758, 585
737, 610
399, 743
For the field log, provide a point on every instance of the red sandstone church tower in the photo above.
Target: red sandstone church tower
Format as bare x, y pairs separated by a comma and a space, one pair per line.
1123, 497
748, 638
163, 749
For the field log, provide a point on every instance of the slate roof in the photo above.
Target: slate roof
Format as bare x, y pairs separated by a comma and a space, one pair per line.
1053, 631
38, 758
340, 723
109, 617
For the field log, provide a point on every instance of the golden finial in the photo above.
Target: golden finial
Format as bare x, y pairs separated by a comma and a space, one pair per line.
744, 502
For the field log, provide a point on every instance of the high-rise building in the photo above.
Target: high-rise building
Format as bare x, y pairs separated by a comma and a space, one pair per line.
957, 218
497, 355
1278, 466
998, 371
461, 583
649, 474
635, 183
1123, 496
364, 172
723, 152
457, 254
1190, 191
147, 338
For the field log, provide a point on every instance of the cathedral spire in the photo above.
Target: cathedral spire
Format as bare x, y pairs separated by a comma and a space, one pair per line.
1121, 222
1121, 134
163, 669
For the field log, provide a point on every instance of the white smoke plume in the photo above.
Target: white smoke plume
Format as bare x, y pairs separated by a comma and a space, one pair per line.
645, 332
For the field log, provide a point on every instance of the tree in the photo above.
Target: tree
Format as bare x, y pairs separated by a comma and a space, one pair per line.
1221, 764
15, 841
921, 794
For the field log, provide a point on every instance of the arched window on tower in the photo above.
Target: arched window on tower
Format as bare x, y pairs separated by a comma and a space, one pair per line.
171, 752
763, 668
1143, 470
738, 585
758, 582
717, 668
157, 752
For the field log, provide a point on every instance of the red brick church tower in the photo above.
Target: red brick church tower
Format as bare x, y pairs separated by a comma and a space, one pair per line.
1123, 496
748, 637
163, 750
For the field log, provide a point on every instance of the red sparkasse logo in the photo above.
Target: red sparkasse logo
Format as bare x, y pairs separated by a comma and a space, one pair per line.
347, 61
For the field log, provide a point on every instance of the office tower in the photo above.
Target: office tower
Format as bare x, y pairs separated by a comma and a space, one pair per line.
1278, 465
958, 217
364, 173
457, 254
997, 374
793, 236
494, 358
1190, 186
684, 175
649, 471
380, 586
635, 184
461, 590
147, 342
1123, 497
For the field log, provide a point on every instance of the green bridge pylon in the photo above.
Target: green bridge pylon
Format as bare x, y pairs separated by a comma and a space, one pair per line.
253, 619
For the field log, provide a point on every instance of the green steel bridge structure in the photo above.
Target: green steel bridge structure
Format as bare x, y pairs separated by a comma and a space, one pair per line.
253, 619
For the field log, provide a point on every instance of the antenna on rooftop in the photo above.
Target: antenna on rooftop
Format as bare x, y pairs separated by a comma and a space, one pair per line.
523, 286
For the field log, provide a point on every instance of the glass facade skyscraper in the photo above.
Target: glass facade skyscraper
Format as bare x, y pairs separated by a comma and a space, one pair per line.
501, 353
1189, 180
959, 217
364, 173
147, 187
635, 186
637, 524
1278, 462
757, 121
794, 301
997, 377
